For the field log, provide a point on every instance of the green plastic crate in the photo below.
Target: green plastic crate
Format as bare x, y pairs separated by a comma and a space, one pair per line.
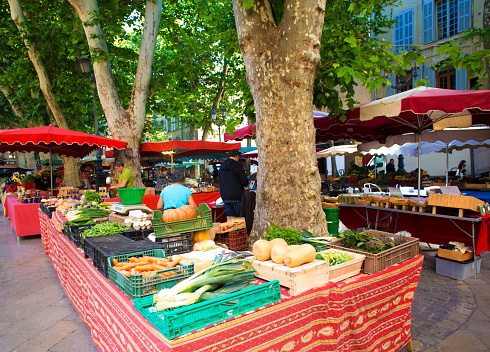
137, 286
204, 221
180, 321
131, 196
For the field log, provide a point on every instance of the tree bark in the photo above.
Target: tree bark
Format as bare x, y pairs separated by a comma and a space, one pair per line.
281, 63
125, 125
71, 173
486, 42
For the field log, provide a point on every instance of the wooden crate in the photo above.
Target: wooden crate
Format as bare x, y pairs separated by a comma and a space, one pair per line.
374, 263
348, 269
453, 201
477, 185
300, 279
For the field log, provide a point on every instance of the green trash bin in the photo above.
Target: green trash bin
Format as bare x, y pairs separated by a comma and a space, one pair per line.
332, 214
333, 227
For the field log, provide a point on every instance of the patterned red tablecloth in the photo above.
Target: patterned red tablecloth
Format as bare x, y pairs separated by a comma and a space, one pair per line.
367, 313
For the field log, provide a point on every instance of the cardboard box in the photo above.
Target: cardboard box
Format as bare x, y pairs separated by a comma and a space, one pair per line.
454, 255
231, 225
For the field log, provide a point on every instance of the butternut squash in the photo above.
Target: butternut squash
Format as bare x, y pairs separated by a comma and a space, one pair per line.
262, 250
278, 253
276, 241
306, 253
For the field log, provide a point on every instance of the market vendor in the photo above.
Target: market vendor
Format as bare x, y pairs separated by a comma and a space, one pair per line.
162, 179
125, 176
176, 195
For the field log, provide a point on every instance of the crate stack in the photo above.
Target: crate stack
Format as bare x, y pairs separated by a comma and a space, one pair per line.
233, 234
176, 236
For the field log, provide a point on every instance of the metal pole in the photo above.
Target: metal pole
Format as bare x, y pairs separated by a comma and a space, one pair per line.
219, 132
447, 164
99, 170
418, 163
51, 166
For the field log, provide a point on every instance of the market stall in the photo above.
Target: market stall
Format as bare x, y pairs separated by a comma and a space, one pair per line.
428, 227
365, 313
24, 217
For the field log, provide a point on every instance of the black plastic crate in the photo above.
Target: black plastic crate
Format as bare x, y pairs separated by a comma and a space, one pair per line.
75, 232
48, 210
147, 232
133, 234
99, 249
176, 244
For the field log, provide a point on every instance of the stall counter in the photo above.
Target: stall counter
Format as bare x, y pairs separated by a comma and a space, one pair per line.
24, 217
366, 313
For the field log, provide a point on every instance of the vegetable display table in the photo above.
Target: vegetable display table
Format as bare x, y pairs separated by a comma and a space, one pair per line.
151, 200
427, 227
366, 313
24, 217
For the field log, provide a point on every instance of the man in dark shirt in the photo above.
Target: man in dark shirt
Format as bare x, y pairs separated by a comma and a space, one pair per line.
232, 183
390, 167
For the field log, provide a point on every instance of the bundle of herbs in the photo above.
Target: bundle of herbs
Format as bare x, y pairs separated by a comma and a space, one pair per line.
228, 276
365, 241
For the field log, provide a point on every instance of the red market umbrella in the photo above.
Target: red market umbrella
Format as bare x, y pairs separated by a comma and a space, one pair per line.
248, 132
413, 111
50, 139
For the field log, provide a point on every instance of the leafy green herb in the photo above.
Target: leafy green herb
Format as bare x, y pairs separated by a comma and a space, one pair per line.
92, 197
334, 257
291, 236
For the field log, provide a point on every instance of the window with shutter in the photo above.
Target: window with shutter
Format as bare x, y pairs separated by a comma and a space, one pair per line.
428, 16
446, 18
428, 74
404, 31
461, 79
446, 78
464, 15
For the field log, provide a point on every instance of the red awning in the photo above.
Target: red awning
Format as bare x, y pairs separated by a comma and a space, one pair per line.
413, 111
180, 149
56, 140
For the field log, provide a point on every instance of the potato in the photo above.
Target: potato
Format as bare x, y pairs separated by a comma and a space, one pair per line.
262, 250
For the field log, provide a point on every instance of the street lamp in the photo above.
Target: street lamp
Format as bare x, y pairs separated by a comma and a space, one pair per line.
219, 122
100, 179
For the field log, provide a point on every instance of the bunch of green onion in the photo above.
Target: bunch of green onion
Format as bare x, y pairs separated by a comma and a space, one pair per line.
220, 279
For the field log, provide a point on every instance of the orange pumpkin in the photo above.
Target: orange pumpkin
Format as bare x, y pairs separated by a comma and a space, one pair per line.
171, 215
189, 211
202, 235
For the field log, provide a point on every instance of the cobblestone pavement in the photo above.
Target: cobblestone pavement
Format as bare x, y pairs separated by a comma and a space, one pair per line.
35, 314
451, 315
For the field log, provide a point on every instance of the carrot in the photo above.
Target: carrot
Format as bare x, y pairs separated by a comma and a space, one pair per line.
166, 274
114, 261
132, 265
126, 273
169, 259
149, 273
147, 267
159, 267
174, 263
132, 259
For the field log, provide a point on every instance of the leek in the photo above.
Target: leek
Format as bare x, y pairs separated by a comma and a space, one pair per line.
225, 277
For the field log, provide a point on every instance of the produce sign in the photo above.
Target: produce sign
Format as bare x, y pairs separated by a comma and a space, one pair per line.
106, 228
